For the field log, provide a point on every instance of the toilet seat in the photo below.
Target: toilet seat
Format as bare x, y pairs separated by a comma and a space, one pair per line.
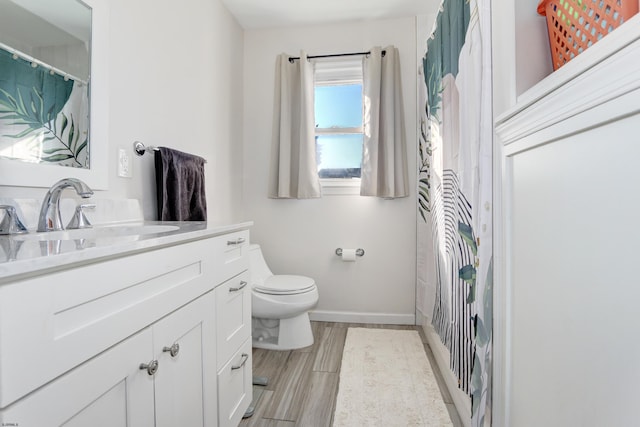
285, 284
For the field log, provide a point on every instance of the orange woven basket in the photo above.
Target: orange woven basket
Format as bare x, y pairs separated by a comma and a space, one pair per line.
574, 25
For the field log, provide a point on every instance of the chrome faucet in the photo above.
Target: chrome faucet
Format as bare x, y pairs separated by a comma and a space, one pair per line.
50, 219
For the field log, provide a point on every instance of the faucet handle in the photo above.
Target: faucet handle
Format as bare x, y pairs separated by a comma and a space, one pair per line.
79, 219
11, 223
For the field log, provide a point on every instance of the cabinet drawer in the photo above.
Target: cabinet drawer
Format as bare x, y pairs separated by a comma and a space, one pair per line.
233, 316
235, 387
232, 254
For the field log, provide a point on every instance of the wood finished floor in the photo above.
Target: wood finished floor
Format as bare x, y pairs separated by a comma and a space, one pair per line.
303, 384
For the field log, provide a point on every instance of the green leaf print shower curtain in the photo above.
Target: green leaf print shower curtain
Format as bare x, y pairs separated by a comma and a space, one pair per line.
44, 116
455, 194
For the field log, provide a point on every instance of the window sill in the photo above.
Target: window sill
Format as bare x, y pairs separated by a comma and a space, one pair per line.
340, 187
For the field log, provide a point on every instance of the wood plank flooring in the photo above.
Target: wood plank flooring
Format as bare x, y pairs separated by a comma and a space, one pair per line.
303, 384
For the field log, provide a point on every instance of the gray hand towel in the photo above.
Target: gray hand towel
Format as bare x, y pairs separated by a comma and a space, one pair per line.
180, 186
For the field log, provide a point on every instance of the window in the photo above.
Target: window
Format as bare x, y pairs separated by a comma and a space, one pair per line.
338, 113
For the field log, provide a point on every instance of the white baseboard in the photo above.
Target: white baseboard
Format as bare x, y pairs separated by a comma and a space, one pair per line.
460, 399
353, 317
421, 319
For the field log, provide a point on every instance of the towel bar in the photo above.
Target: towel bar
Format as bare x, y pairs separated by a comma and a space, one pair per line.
140, 149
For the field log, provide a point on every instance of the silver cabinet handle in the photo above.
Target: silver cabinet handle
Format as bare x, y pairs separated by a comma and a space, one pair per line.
238, 241
151, 367
245, 357
173, 350
242, 285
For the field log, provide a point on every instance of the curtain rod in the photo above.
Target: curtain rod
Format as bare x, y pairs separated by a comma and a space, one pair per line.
293, 58
35, 62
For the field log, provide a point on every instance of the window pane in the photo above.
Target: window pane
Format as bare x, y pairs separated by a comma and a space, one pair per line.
339, 156
338, 106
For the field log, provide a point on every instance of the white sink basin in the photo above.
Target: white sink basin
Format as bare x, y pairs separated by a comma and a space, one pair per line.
99, 232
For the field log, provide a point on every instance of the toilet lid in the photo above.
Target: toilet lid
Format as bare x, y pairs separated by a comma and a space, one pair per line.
285, 284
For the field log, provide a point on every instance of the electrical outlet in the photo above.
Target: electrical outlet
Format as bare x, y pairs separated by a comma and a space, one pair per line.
124, 163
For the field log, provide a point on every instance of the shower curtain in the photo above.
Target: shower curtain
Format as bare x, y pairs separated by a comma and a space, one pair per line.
44, 117
454, 194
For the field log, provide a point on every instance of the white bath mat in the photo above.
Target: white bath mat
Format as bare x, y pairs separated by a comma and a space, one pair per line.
386, 380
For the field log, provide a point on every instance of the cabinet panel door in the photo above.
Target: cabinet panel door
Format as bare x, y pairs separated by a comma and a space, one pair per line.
106, 411
184, 384
233, 315
108, 390
573, 317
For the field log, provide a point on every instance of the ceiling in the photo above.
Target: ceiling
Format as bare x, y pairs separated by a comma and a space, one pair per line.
253, 14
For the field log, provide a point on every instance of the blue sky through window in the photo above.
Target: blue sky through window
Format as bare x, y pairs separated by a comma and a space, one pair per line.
339, 151
339, 106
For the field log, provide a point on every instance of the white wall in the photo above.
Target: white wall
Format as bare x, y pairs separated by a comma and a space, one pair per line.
300, 236
533, 54
176, 79
175, 71
521, 55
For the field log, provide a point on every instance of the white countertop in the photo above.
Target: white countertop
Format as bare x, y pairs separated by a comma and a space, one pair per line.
21, 257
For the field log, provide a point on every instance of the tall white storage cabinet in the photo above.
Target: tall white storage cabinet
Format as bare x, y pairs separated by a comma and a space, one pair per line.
568, 186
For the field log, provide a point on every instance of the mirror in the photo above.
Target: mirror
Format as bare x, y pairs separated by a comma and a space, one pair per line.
53, 92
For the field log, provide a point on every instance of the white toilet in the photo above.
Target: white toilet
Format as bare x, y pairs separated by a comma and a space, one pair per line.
280, 305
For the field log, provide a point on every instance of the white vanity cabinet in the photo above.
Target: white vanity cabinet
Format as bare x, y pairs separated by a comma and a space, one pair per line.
129, 341
115, 389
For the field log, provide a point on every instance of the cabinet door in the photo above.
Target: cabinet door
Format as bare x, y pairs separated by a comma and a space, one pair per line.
108, 390
233, 316
184, 345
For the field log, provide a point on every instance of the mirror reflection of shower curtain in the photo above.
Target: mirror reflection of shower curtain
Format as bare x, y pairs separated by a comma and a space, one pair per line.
44, 117
455, 194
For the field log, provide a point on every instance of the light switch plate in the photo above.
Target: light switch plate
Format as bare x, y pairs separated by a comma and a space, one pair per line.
124, 163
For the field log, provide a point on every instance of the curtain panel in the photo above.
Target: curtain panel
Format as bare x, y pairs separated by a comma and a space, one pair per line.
384, 152
293, 173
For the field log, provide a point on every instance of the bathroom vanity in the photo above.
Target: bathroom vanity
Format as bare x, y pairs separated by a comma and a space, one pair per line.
147, 326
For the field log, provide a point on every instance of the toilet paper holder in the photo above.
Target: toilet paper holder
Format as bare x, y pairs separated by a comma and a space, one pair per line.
359, 252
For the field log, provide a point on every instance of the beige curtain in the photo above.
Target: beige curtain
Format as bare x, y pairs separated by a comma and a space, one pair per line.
384, 154
294, 173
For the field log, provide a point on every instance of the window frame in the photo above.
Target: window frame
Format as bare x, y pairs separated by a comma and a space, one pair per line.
339, 72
